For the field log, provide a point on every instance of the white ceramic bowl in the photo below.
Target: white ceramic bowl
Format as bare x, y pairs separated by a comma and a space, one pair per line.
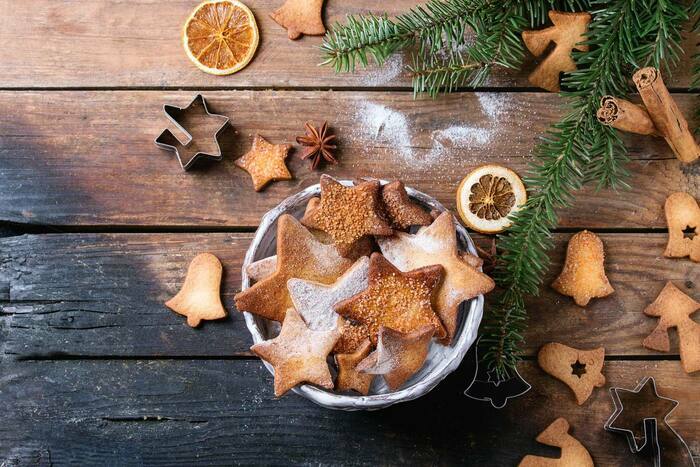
441, 360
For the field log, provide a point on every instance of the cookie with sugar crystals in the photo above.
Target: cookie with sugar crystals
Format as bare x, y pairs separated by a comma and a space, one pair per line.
400, 210
299, 354
299, 255
583, 275
683, 218
265, 162
398, 356
348, 214
395, 299
581, 370
437, 244
349, 379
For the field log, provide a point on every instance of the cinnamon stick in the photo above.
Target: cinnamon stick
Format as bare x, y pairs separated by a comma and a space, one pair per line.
626, 116
664, 112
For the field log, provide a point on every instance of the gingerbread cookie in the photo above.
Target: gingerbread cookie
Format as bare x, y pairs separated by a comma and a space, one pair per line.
401, 301
437, 244
265, 162
674, 308
199, 298
299, 354
567, 33
581, 370
573, 453
300, 17
315, 301
583, 276
299, 255
683, 218
400, 210
398, 356
348, 214
349, 379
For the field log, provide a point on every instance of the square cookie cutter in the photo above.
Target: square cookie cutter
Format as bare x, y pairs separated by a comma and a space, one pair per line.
168, 141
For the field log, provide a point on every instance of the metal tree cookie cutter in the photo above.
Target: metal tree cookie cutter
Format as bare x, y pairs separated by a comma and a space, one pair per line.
487, 386
641, 414
189, 152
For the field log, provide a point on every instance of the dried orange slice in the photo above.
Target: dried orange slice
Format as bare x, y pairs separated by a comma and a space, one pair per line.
221, 36
487, 196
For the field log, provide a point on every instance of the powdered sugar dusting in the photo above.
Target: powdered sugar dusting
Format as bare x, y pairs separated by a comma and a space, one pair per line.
315, 301
390, 70
386, 126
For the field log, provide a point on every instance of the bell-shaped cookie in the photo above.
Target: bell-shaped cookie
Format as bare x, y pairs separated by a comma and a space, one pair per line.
583, 276
199, 298
682, 217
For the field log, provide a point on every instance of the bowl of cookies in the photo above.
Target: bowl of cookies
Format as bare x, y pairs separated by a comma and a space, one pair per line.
360, 295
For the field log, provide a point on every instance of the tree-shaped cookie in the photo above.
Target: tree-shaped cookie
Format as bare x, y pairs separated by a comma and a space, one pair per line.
583, 275
573, 453
674, 308
567, 32
683, 218
300, 17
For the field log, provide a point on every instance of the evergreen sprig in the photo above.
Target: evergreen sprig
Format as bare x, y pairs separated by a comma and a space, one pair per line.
623, 35
457, 42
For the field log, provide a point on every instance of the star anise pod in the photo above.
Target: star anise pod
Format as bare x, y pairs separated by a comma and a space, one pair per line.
317, 144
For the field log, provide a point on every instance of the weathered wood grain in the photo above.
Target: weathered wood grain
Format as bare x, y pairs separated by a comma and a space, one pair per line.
138, 43
88, 158
102, 295
223, 412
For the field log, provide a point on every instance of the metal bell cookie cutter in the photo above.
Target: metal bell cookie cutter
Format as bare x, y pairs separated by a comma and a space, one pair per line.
487, 386
167, 140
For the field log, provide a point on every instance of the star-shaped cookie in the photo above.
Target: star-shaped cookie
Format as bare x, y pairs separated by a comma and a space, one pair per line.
348, 214
437, 244
401, 211
265, 162
349, 379
398, 355
395, 299
299, 255
299, 354
315, 301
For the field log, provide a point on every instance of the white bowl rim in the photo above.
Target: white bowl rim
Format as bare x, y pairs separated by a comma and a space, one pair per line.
466, 333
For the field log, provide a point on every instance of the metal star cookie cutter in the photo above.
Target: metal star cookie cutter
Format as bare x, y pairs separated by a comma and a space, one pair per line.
659, 439
487, 386
167, 140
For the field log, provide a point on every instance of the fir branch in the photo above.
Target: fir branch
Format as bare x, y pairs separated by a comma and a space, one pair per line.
577, 149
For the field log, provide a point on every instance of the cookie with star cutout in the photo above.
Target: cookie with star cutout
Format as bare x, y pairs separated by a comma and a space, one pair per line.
437, 244
299, 354
299, 255
395, 299
348, 214
265, 162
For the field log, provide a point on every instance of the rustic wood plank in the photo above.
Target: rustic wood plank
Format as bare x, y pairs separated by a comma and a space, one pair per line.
102, 295
88, 158
223, 412
138, 43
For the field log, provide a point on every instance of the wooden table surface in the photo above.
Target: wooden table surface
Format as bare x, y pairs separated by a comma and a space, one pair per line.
98, 226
